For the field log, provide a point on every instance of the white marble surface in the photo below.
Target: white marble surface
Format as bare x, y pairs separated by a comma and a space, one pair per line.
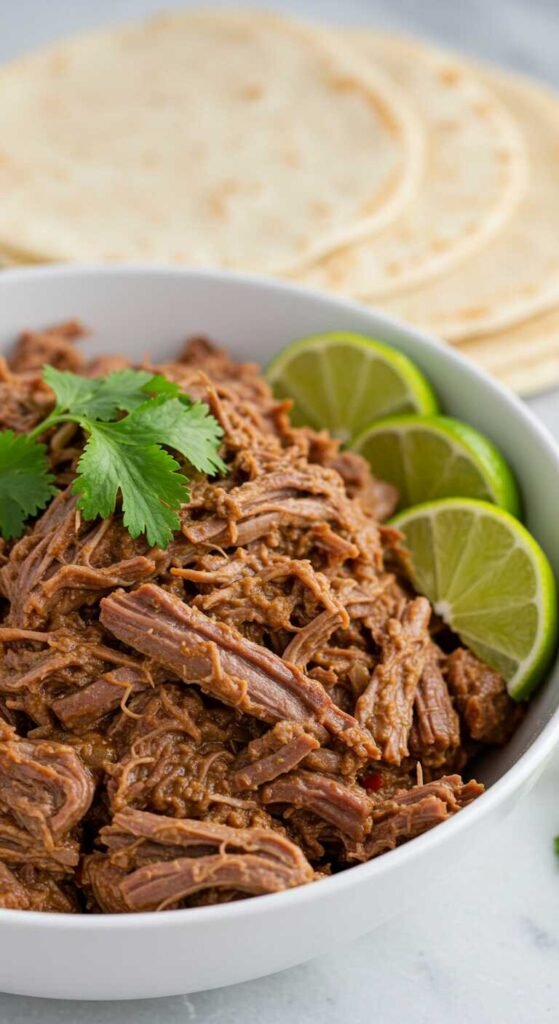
486, 950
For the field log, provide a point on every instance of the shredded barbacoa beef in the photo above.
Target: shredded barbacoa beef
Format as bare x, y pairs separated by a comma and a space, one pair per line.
153, 862
225, 665
481, 697
386, 705
435, 732
252, 708
45, 793
29, 888
411, 812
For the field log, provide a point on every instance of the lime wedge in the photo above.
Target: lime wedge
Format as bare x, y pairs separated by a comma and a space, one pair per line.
490, 582
343, 381
430, 457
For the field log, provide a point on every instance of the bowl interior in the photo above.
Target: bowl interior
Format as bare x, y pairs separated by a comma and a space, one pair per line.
139, 310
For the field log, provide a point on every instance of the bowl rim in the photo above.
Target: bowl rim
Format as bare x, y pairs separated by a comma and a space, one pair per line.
527, 765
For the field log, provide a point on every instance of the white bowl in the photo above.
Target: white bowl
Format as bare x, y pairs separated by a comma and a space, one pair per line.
148, 309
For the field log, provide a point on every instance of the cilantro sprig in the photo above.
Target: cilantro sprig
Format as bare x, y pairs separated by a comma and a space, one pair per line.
25, 482
131, 419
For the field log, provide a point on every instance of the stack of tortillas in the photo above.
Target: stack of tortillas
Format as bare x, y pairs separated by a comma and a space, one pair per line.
374, 166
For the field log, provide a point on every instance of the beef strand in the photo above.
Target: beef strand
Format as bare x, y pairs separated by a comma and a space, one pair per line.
435, 733
386, 706
481, 695
272, 755
155, 862
242, 674
345, 807
411, 812
45, 791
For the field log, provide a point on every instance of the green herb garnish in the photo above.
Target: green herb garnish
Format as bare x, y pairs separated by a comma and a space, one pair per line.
25, 482
124, 455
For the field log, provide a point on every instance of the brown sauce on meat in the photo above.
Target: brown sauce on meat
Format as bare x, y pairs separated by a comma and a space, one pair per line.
255, 707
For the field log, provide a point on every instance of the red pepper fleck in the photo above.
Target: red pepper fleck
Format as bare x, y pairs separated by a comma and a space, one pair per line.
373, 782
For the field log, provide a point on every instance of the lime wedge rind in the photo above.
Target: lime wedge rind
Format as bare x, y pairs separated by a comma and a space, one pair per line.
341, 381
522, 674
429, 457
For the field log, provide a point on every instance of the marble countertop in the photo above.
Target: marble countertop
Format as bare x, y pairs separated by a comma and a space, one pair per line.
486, 948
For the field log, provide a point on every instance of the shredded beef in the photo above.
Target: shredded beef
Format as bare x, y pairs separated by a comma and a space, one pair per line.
482, 699
435, 732
40, 670
346, 807
272, 755
24, 399
386, 705
174, 754
28, 888
404, 823
86, 707
227, 666
65, 564
155, 862
253, 708
311, 638
411, 812
378, 498
55, 346
45, 791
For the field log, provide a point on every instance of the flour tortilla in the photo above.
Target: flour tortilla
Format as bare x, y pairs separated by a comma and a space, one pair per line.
6, 261
525, 357
237, 139
474, 175
516, 276
14, 258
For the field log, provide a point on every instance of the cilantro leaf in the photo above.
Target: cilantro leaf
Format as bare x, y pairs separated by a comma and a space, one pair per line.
26, 485
125, 458
122, 390
71, 391
189, 429
195, 433
100, 398
159, 385
148, 479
